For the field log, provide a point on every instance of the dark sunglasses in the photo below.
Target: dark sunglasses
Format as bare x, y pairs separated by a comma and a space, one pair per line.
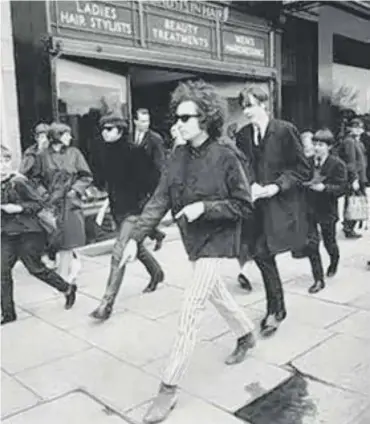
185, 118
107, 128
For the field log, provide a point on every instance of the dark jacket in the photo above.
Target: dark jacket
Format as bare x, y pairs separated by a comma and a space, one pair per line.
352, 152
280, 223
17, 189
333, 174
132, 173
211, 174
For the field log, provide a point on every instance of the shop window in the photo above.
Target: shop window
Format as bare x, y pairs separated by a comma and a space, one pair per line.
347, 51
84, 94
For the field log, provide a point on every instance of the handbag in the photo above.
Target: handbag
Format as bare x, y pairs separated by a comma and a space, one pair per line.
357, 208
47, 220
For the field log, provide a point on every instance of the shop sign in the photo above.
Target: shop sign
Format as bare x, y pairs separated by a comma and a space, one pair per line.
98, 17
179, 33
243, 45
199, 9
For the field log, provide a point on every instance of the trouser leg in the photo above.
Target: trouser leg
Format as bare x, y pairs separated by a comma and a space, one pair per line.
328, 232
149, 262
228, 308
272, 282
31, 250
316, 265
196, 294
9, 257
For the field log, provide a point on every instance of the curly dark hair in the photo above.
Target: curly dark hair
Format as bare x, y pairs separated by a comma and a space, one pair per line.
211, 106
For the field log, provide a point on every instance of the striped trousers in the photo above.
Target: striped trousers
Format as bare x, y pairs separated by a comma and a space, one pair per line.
206, 284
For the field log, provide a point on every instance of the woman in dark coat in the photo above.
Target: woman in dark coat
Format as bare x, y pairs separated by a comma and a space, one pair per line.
63, 171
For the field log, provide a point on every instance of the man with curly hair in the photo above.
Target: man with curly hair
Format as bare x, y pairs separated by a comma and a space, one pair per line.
208, 194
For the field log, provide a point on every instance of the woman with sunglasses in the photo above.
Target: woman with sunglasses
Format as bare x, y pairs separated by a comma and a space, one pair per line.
208, 194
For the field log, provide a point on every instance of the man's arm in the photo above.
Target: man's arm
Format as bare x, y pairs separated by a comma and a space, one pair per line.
337, 184
158, 151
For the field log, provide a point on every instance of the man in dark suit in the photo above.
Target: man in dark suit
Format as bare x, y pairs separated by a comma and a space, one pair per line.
277, 166
153, 143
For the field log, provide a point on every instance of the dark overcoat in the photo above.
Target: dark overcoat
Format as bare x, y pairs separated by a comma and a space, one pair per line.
280, 223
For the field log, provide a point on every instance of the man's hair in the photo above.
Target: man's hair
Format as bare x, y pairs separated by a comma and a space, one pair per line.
325, 136
57, 129
356, 123
211, 106
5, 152
306, 133
253, 90
141, 111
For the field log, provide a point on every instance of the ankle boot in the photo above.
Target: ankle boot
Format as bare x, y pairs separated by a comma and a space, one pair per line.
162, 404
103, 311
159, 241
332, 268
244, 282
8, 317
154, 281
243, 344
316, 287
70, 296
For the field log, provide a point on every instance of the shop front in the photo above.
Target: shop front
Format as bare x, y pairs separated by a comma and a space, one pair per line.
100, 56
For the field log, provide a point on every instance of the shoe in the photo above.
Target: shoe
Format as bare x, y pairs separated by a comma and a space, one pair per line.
352, 235
244, 282
159, 242
103, 312
243, 344
70, 296
316, 287
8, 317
271, 322
332, 269
162, 405
154, 281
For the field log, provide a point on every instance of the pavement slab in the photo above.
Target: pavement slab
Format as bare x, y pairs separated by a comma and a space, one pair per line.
14, 396
190, 409
127, 336
31, 342
361, 302
356, 325
114, 382
228, 387
74, 408
342, 360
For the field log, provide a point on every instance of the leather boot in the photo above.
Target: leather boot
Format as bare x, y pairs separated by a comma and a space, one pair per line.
8, 317
103, 311
162, 404
159, 241
243, 344
316, 287
244, 282
332, 268
70, 296
154, 281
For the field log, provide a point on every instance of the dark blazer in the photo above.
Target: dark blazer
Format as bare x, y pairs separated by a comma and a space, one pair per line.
211, 174
352, 152
333, 174
280, 222
153, 143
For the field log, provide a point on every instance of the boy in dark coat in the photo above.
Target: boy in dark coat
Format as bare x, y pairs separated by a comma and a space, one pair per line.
23, 238
328, 184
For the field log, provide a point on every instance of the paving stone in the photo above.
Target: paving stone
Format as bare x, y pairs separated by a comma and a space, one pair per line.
14, 396
188, 410
114, 382
342, 360
130, 337
362, 302
301, 400
164, 301
242, 296
53, 312
307, 309
363, 418
356, 325
292, 339
228, 387
75, 408
31, 342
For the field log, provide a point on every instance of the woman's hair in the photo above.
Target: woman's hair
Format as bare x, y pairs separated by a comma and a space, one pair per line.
57, 129
41, 128
211, 106
325, 136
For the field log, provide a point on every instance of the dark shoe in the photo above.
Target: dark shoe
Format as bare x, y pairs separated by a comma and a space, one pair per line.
70, 296
271, 323
154, 281
8, 317
332, 269
162, 404
316, 287
352, 235
243, 344
103, 312
244, 282
159, 241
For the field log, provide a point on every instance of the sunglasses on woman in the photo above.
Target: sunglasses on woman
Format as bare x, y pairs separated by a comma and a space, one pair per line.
185, 118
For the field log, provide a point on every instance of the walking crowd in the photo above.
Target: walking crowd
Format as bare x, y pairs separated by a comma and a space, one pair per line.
250, 193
